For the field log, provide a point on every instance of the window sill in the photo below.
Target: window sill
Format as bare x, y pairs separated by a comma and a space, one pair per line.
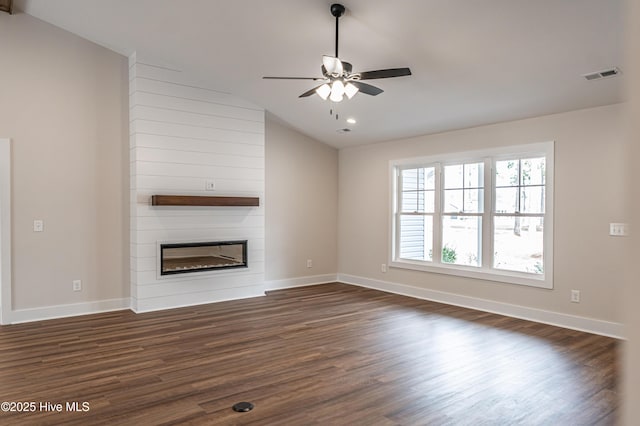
510, 277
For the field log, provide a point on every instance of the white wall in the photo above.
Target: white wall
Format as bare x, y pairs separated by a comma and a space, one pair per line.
302, 208
183, 134
64, 106
631, 372
5, 231
69, 127
589, 165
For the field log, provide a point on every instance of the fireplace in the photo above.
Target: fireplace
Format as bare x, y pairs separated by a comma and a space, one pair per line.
204, 256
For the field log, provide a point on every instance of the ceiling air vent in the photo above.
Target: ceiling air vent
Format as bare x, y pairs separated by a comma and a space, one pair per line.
602, 74
345, 130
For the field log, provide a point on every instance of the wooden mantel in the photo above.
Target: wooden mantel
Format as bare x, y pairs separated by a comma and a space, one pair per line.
196, 200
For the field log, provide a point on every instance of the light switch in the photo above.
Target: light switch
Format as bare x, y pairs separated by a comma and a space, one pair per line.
38, 225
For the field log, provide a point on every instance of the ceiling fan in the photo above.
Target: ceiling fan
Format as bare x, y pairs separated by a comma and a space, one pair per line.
338, 76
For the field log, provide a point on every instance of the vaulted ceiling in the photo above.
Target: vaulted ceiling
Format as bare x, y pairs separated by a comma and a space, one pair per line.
473, 62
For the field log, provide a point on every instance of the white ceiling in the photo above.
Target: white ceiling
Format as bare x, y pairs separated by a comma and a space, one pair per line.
474, 62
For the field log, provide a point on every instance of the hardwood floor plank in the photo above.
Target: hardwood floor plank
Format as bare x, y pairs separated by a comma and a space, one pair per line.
329, 354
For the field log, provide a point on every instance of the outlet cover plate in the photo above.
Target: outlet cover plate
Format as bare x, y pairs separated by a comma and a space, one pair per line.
618, 229
575, 296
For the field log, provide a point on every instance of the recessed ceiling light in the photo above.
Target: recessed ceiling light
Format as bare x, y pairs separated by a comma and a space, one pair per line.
351, 120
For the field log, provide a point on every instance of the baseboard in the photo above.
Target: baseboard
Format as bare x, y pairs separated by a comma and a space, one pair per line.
590, 325
573, 322
62, 311
299, 282
194, 299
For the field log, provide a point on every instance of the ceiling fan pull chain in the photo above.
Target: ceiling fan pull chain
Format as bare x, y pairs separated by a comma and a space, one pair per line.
332, 109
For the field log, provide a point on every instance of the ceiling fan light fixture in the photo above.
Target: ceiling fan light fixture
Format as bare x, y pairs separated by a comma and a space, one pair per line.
324, 91
350, 90
337, 91
332, 65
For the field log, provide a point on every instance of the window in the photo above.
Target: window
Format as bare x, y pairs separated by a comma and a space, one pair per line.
519, 215
462, 211
484, 214
417, 211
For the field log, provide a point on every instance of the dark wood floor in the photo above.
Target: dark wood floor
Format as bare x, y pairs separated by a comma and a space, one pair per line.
323, 355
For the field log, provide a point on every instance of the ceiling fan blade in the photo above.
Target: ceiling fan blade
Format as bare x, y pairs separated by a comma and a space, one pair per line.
310, 92
293, 78
332, 65
388, 73
366, 88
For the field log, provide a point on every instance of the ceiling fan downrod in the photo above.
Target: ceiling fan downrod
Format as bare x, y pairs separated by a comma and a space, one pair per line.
337, 10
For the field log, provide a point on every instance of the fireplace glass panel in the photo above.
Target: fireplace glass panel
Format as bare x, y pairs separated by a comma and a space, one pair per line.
197, 257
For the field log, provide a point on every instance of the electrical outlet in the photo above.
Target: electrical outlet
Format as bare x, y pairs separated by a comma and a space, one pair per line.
618, 229
383, 267
575, 296
77, 285
38, 225
309, 263
210, 185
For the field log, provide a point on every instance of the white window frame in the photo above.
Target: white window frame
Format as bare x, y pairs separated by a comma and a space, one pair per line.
486, 271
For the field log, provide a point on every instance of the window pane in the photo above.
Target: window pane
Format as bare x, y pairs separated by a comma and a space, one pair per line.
532, 199
474, 175
419, 178
463, 188
418, 201
418, 186
506, 200
460, 176
518, 244
473, 200
467, 200
416, 237
429, 201
429, 178
409, 179
453, 176
453, 200
533, 171
507, 173
413, 201
462, 240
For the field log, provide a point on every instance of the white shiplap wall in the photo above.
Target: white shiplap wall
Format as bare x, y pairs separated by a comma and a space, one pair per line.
182, 135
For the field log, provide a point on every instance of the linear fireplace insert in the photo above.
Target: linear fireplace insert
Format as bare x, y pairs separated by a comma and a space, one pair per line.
202, 256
